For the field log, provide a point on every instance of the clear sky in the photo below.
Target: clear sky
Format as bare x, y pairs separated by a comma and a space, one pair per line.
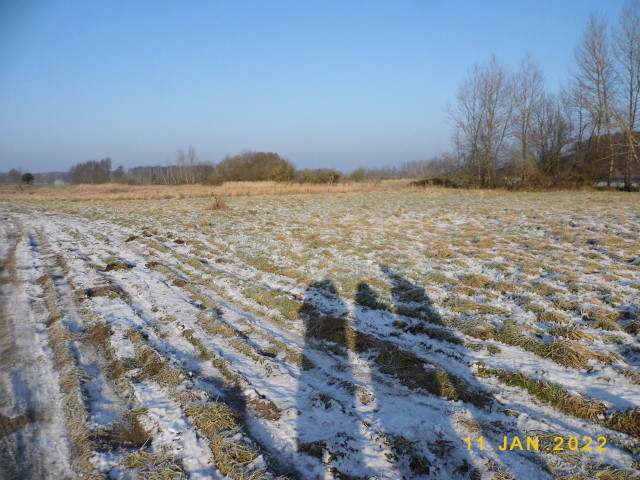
338, 84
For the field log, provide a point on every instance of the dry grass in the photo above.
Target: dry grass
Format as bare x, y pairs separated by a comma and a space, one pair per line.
551, 394
127, 433
203, 353
13, 424
151, 364
69, 380
219, 423
154, 466
627, 421
564, 352
217, 203
115, 192
572, 333
475, 280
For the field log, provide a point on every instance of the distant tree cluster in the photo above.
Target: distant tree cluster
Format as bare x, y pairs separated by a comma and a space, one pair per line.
247, 166
12, 177
27, 178
508, 130
93, 172
17, 177
255, 166
320, 175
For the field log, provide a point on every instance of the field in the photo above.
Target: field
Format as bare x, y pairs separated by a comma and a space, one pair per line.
368, 334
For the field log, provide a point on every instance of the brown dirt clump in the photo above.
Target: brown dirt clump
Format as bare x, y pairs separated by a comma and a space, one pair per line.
110, 291
264, 409
128, 433
118, 265
633, 328
9, 425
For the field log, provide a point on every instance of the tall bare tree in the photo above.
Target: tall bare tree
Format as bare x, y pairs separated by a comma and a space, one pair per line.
550, 134
528, 94
466, 117
482, 119
192, 158
626, 43
593, 81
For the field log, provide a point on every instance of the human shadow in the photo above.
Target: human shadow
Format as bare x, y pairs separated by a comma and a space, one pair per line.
386, 389
327, 430
419, 322
356, 389
438, 453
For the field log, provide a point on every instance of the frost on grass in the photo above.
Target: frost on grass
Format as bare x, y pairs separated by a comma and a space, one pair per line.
364, 344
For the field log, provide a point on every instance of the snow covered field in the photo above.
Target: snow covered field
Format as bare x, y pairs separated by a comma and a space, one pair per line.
365, 335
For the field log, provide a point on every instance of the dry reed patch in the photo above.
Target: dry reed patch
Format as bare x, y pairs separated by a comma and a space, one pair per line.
441, 253
480, 332
504, 287
439, 279
543, 289
566, 305
607, 325
100, 335
117, 192
214, 417
600, 314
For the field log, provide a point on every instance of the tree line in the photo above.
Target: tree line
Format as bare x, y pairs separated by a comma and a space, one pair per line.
246, 166
508, 130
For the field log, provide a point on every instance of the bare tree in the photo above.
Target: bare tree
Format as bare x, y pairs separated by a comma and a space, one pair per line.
593, 82
482, 119
466, 117
550, 134
626, 43
528, 94
182, 161
192, 158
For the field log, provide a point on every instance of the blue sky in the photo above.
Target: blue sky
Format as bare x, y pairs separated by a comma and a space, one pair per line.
338, 84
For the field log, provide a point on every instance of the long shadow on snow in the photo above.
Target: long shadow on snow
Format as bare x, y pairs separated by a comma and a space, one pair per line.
336, 397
